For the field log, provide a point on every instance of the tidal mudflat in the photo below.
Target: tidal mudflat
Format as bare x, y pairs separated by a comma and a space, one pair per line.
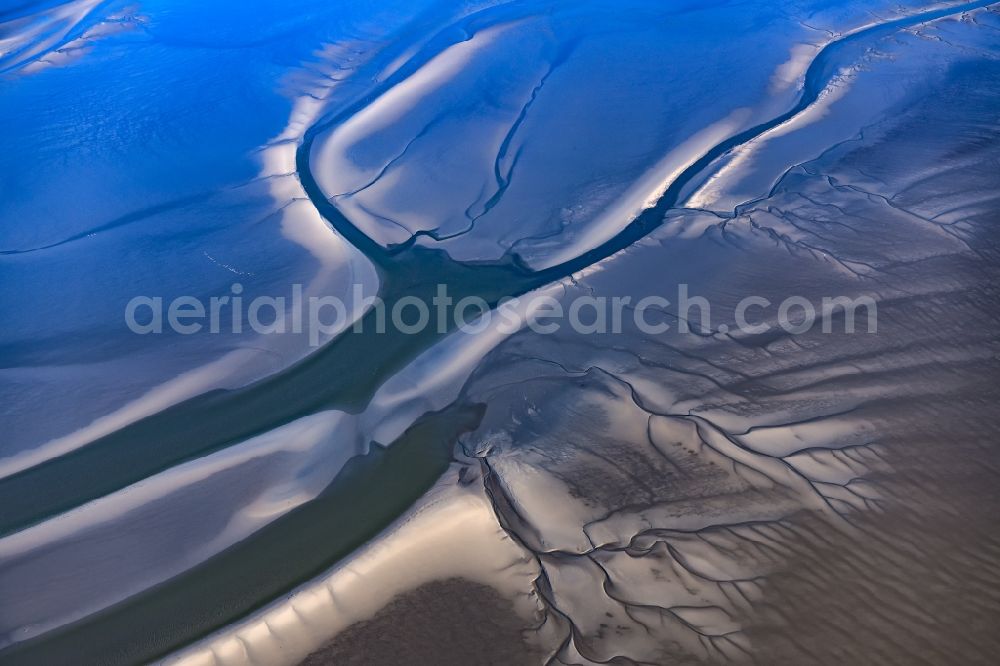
758, 426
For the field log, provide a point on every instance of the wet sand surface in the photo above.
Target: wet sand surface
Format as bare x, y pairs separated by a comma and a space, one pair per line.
648, 477
827, 495
451, 622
